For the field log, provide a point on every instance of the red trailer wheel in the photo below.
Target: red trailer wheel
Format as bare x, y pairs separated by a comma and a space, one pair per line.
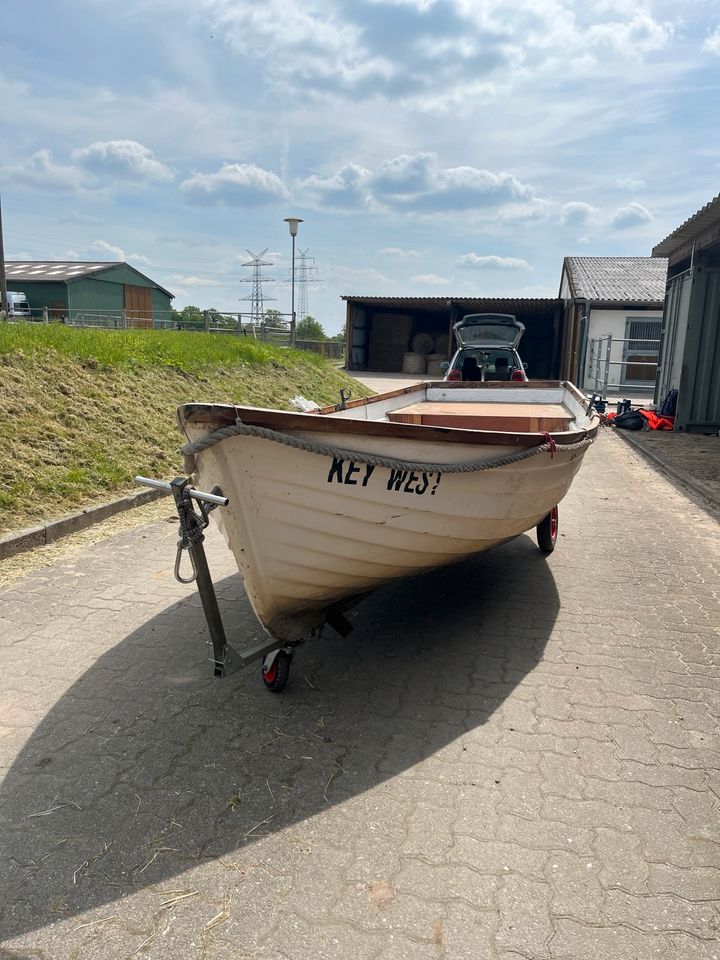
547, 531
276, 675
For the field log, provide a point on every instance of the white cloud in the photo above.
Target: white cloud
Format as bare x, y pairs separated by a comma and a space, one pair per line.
632, 215
576, 213
125, 159
117, 253
435, 56
526, 212
472, 261
461, 98
711, 44
397, 253
102, 250
416, 183
301, 43
640, 34
41, 172
342, 190
191, 280
432, 279
234, 184
631, 183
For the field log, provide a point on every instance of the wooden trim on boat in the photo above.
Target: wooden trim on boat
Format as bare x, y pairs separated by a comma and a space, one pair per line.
387, 395
460, 385
222, 415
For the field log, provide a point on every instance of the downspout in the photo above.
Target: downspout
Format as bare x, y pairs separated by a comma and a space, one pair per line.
451, 310
348, 337
582, 346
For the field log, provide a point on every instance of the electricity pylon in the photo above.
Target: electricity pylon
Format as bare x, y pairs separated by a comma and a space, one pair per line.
305, 272
257, 298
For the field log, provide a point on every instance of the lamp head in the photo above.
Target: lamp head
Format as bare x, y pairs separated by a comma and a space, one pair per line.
293, 222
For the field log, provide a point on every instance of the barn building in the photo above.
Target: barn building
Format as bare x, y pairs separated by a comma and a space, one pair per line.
380, 330
690, 348
612, 320
94, 291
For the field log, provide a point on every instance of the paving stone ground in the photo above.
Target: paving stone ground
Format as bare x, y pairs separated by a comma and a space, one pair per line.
517, 757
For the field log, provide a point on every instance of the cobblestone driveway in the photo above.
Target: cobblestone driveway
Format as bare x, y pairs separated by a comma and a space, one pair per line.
516, 757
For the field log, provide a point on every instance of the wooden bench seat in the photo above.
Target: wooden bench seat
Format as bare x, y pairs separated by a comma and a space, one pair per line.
506, 417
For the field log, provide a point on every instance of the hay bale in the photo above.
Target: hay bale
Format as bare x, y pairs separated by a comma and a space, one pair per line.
435, 363
414, 363
422, 343
388, 341
442, 343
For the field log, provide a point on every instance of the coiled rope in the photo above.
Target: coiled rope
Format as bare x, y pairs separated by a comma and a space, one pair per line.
358, 456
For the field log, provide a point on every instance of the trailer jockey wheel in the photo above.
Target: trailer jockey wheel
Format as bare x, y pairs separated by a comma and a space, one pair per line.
276, 670
547, 531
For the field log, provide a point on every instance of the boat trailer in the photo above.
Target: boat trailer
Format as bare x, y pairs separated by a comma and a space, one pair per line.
276, 656
276, 659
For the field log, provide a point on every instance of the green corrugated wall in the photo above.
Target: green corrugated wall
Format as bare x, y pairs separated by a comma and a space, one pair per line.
41, 294
122, 274
161, 304
89, 295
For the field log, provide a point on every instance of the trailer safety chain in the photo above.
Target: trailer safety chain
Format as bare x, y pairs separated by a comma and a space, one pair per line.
394, 463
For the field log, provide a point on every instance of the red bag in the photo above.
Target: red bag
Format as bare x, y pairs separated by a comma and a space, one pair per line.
655, 422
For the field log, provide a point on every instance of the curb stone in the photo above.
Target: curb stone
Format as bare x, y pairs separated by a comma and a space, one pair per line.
695, 485
39, 536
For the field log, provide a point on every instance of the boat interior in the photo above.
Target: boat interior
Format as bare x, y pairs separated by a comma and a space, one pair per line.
539, 406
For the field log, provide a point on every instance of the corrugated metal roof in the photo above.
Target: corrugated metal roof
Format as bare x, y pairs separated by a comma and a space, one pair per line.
691, 229
617, 279
53, 269
497, 304
66, 270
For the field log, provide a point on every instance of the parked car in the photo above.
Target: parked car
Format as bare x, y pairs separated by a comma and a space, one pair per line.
488, 348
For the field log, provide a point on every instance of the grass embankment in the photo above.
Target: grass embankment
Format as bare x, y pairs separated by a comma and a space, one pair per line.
83, 411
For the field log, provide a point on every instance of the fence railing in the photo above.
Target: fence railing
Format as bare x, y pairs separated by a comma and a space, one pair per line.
623, 365
275, 331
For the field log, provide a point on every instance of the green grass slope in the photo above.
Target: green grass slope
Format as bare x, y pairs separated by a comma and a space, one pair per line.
83, 411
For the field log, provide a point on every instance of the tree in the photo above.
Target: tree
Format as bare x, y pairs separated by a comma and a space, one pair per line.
309, 329
186, 316
273, 318
217, 319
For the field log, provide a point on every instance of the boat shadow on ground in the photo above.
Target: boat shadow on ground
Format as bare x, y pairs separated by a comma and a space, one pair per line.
156, 768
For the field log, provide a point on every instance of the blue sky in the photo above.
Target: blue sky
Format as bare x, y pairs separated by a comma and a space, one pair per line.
432, 147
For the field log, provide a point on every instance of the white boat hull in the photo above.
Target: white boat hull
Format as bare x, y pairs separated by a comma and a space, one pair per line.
308, 531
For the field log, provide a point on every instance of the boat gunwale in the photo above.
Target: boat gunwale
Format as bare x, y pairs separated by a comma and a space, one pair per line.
222, 415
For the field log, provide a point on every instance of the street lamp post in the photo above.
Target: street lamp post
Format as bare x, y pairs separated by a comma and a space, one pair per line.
292, 222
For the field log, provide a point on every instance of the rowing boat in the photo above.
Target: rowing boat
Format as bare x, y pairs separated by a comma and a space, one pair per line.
325, 506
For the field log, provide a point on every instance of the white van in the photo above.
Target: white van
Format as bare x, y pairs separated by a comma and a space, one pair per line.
18, 305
